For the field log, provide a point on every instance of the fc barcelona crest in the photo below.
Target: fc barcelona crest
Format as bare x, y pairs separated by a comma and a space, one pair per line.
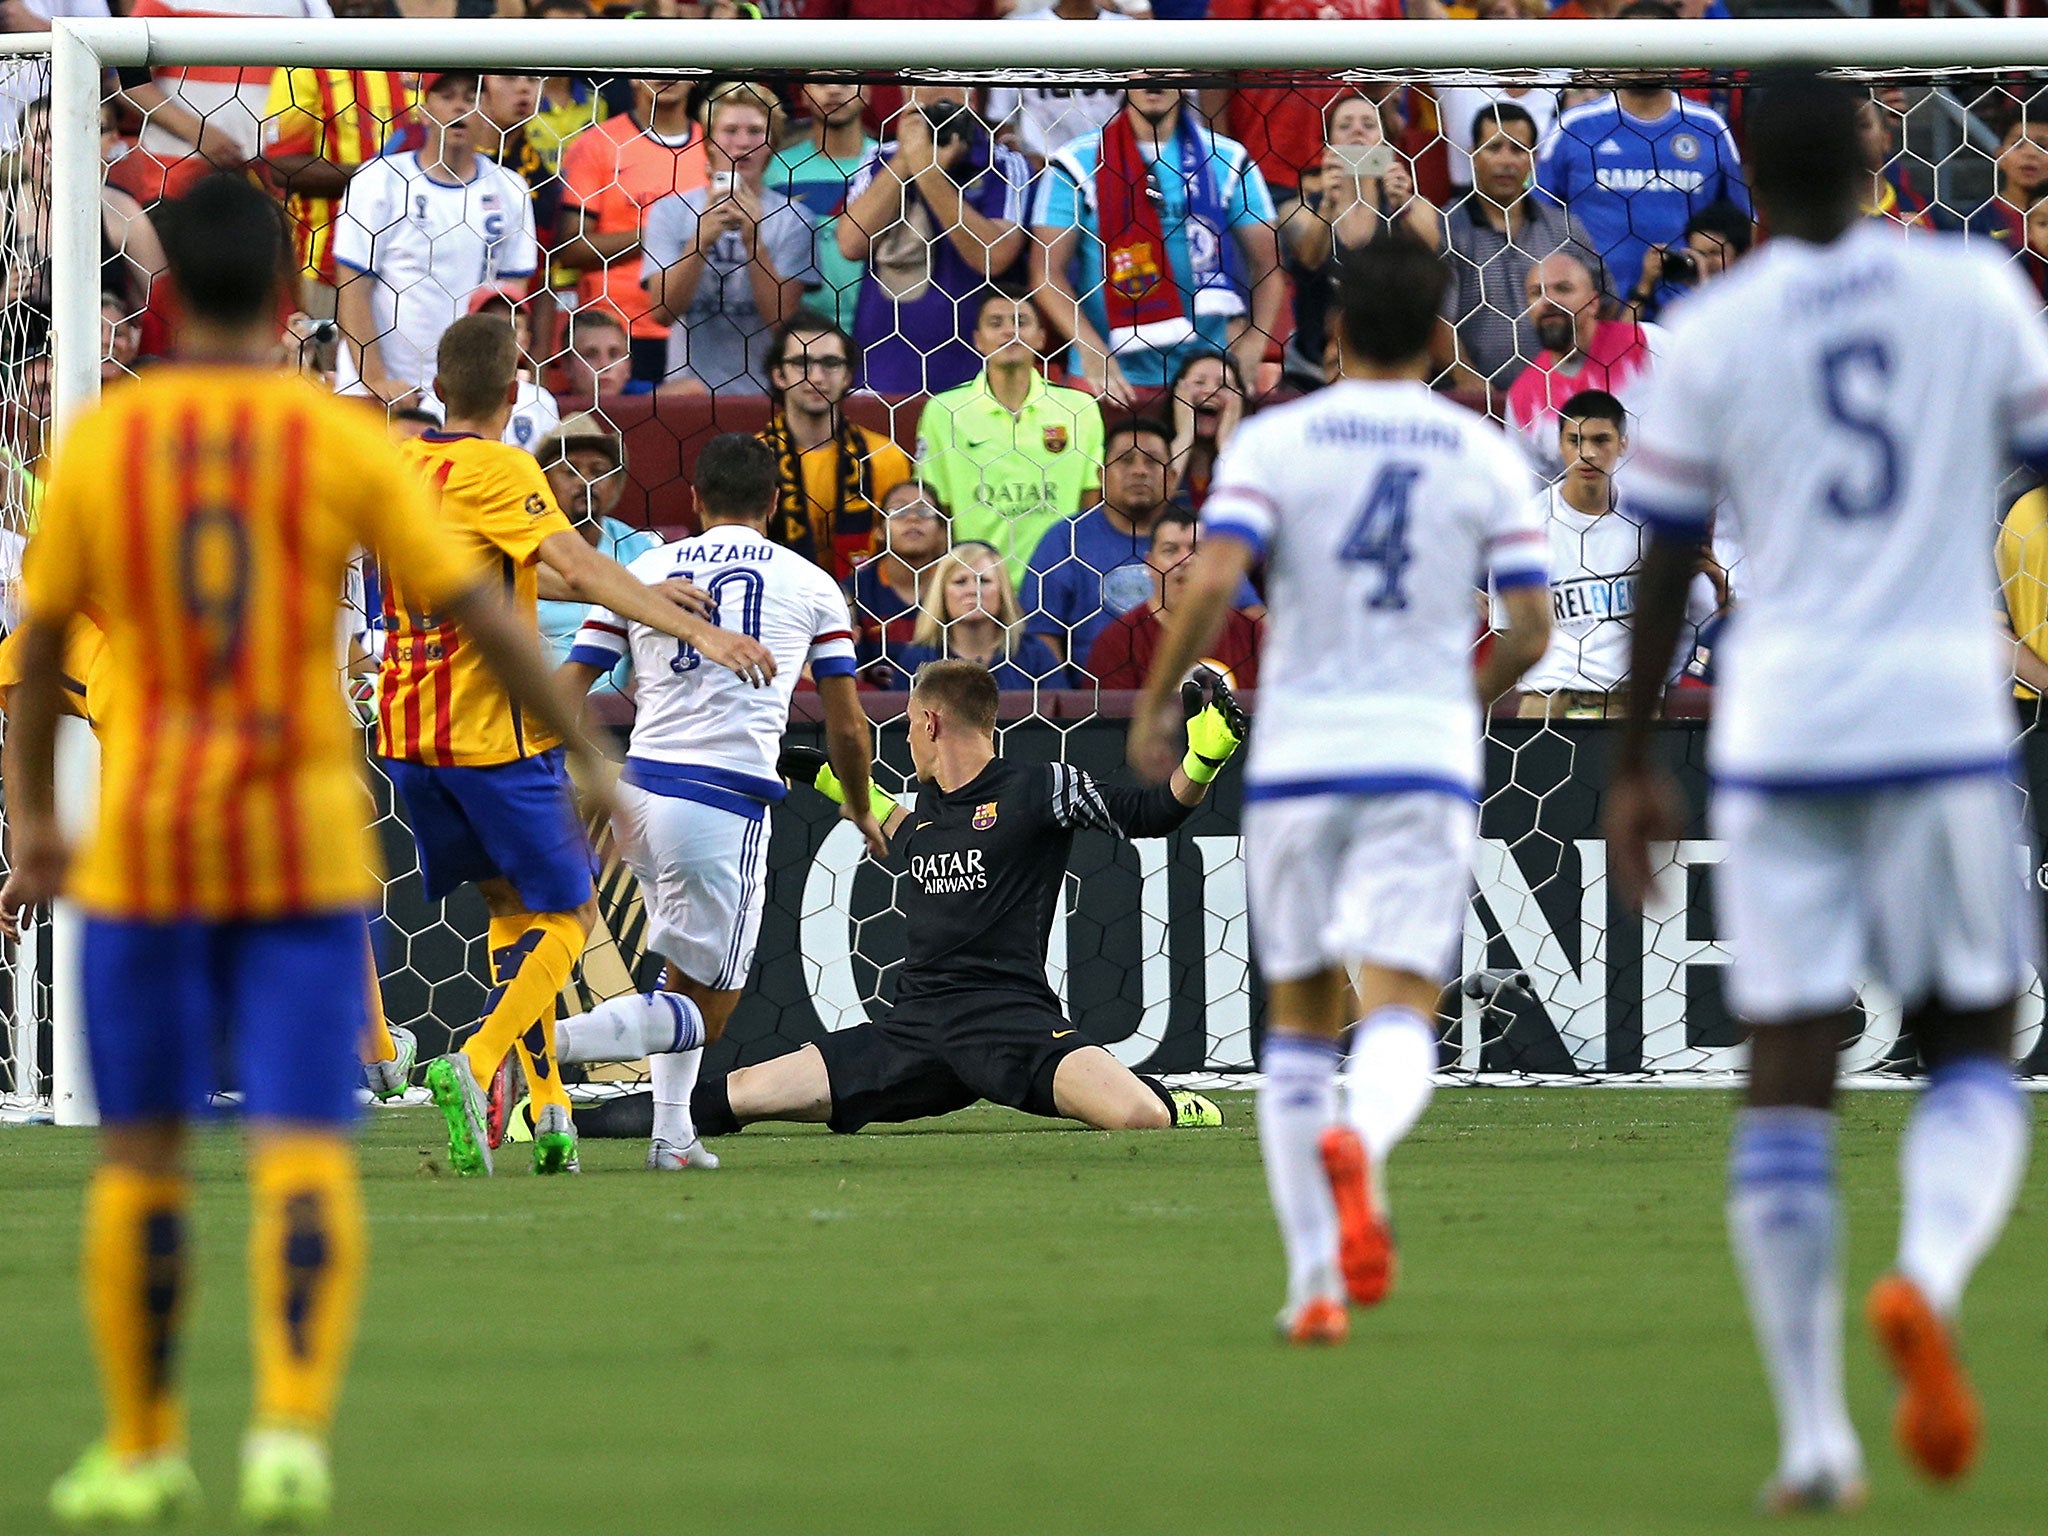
984, 816
1134, 270
1055, 439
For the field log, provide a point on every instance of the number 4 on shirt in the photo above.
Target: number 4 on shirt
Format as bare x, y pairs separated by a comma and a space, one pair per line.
1379, 535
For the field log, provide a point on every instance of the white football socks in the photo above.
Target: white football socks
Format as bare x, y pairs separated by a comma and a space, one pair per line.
1784, 1220
674, 1079
1960, 1165
1388, 1082
630, 1026
1297, 1102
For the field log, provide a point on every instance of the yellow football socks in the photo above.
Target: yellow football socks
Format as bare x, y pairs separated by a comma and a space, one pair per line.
531, 958
307, 1251
134, 1290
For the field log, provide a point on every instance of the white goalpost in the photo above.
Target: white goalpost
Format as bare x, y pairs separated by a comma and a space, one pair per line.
1925, 53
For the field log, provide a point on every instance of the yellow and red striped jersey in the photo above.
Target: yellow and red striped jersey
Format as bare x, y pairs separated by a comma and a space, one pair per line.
343, 116
208, 514
87, 678
437, 703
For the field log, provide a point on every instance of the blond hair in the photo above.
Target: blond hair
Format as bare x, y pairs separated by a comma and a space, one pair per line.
932, 623
745, 93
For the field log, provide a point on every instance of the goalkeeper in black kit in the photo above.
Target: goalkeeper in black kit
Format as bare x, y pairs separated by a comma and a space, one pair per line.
985, 846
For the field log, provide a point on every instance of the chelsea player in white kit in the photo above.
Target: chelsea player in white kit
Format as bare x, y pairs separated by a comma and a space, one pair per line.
700, 776
1378, 509
1850, 399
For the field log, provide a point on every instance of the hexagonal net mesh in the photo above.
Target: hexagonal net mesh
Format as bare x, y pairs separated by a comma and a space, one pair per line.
996, 329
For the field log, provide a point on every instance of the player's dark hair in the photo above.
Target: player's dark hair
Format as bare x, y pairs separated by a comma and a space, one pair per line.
476, 365
964, 690
735, 477
1502, 115
1649, 10
1174, 516
1803, 149
1389, 292
1725, 223
804, 326
1594, 405
1137, 426
228, 249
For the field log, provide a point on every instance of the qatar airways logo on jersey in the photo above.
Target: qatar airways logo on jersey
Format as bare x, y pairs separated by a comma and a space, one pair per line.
948, 874
1626, 178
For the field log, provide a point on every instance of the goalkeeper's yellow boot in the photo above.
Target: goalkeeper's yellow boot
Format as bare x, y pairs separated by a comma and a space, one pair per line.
1939, 1423
1365, 1243
286, 1484
1192, 1110
554, 1141
103, 1489
461, 1102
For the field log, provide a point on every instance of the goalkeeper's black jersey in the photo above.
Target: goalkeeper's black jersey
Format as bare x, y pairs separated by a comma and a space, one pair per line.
984, 867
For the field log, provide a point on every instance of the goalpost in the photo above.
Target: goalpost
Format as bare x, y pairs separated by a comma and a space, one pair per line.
1556, 983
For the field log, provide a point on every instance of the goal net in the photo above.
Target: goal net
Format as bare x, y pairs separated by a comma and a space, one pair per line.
996, 322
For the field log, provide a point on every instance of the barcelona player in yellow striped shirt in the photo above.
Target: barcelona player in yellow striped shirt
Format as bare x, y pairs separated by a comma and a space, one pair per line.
485, 788
206, 512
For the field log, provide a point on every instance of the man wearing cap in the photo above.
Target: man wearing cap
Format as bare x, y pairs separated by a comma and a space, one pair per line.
418, 234
585, 463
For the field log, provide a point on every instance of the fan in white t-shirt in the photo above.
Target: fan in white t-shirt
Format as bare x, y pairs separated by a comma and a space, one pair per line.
1040, 120
1595, 551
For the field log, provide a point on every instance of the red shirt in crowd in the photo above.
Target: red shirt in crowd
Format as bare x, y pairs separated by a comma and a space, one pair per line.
1282, 126
1122, 653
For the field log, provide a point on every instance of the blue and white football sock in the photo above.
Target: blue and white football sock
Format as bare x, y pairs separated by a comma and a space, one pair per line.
1298, 1102
631, 1026
1960, 1165
1388, 1082
1784, 1220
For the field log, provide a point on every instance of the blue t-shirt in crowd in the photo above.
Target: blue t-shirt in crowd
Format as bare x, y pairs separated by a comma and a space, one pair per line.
560, 621
1633, 182
1066, 200
1086, 573
1031, 665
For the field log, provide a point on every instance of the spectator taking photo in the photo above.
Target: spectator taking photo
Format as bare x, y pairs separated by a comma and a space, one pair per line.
935, 216
729, 262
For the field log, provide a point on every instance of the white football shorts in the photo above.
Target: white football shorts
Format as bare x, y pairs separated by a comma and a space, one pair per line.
1349, 880
1922, 887
703, 874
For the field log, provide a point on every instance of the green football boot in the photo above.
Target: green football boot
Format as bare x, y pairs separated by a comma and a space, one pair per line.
1191, 1110
461, 1101
103, 1489
286, 1484
554, 1141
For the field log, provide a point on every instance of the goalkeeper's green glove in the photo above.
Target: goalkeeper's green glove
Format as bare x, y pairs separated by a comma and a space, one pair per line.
1216, 729
807, 765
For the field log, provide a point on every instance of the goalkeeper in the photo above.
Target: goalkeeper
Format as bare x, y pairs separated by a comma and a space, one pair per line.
985, 850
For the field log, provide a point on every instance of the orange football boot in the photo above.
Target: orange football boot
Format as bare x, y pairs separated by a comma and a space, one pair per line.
1939, 1424
1321, 1320
1365, 1243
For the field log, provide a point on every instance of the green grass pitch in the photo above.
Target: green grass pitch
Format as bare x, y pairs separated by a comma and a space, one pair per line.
999, 1326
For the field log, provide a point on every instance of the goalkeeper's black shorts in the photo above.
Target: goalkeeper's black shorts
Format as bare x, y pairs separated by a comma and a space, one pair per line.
932, 1058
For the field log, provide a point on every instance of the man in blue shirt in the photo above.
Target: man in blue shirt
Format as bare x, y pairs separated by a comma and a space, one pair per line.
1633, 167
585, 463
1215, 217
1090, 570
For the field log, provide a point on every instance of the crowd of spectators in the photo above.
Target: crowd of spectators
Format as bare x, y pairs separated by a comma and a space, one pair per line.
1076, 293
